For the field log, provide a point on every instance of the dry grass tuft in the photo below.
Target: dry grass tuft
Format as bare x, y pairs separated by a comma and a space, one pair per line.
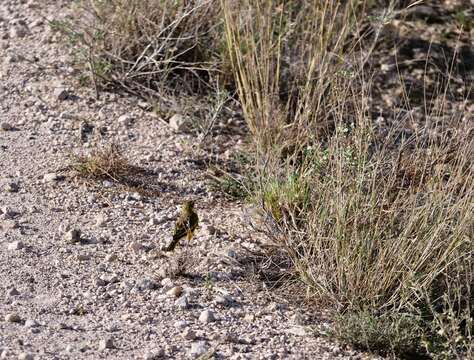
107, 163
181, 264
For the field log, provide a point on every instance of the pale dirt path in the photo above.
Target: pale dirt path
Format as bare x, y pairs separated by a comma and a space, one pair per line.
69, 297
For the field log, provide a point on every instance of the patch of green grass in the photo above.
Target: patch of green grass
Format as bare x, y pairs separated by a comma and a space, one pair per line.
237, 178
229, 186
286, 197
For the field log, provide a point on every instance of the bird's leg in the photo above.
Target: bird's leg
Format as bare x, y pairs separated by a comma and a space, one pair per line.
188, 237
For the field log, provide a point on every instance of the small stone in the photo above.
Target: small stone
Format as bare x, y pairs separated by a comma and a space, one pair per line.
150, 158
51, 177
100, 282
175, 291
16, 245
223, 300
100, 220
8, 213
83, 257
225, 337
13, 318
167, 283
64, 326
198, 348
182, 302
60, 93
10, 224
26, 356
336, 350
178, 122
73, 236
13, 292
83, 347
154, 221
107, 183
126, 120
248, 340
273, 307
144, 105
4, 354
147, 284
6, 126
134, 197
207, 316
298, 319
231, 253
189, 334
18, 31
154, 354
106, 344
85, 130
12, 187
297, 330
136, 246
110, 279
111, 257
30, 323
249, 318
181, 324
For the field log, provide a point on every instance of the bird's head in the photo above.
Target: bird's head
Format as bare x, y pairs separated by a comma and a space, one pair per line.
188, 205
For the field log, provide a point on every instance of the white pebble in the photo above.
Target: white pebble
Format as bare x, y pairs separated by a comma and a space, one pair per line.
207, 316
175, 291
30, 323
13, 318
189, 334
198, 348
16, 245
106, 344
73, 236
25, 356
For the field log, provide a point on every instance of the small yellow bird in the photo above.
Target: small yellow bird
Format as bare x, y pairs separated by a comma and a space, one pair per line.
186, 223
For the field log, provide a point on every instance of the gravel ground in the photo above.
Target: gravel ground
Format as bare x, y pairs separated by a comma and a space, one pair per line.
81, 271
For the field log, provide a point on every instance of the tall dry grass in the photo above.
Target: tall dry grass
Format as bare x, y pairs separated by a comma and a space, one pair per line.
379, 228
376, 228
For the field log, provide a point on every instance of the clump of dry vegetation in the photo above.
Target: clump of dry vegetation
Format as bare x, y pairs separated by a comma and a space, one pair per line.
376, 226
147, 47
378, 222
106, 163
